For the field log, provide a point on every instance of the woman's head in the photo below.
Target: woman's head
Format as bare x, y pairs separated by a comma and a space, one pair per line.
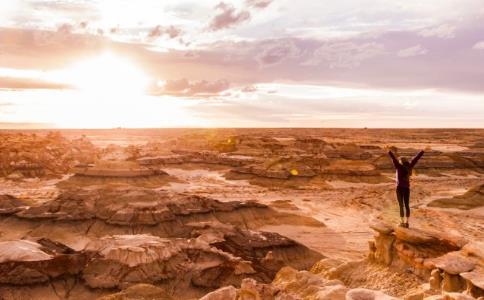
404, 161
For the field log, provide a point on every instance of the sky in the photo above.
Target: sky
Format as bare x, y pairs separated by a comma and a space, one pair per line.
246, 63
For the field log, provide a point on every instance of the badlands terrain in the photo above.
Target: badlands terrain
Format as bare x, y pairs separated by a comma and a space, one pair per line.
239, 214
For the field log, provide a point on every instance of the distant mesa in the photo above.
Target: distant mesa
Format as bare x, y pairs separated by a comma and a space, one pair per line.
116, 172
115, 169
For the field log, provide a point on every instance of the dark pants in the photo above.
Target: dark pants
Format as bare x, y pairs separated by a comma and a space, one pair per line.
403, 196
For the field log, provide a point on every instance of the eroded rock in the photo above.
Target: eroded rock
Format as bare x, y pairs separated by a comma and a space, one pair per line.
473, 198
10, 204
27, 262
140, 291
123, 260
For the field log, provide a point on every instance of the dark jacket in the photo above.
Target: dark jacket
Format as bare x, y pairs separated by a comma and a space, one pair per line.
403, 172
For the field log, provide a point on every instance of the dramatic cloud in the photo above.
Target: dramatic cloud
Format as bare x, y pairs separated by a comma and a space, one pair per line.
444, 31
170, 31
277, 51
259, 3
412, 51
479, 46
186, 88
344, 54
410, 46
227, 17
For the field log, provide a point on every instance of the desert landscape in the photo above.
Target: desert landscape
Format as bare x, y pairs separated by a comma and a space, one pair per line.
239, 214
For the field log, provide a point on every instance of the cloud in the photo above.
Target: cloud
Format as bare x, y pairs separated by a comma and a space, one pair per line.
65, 28
170, 31
28, 83
227, 17
412, 51
258, 3
344, 55
277, 51
249, 89
450, 64
444, 31
185, 88
479, 46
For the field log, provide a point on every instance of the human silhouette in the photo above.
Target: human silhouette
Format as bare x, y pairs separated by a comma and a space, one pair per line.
404, 170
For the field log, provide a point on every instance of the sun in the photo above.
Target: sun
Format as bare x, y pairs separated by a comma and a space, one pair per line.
107, 74
108, 91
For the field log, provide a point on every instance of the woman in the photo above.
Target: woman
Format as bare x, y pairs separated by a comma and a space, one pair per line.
403, 173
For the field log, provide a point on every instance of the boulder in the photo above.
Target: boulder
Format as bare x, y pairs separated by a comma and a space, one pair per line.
381, 227
454, 263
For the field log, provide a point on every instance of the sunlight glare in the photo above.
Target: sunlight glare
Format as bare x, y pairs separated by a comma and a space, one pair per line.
107, 74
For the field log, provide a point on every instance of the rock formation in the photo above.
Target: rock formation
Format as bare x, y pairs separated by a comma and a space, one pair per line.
10, 204
134, 206
32, 155
449, 264
27, 262
473, 198
204, 157
119, 172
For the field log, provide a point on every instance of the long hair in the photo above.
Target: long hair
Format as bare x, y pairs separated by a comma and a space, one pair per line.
406, 164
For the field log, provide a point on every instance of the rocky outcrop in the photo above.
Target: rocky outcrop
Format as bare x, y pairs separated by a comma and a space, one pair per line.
128, 205
206, 261
473, 198
119, 261
185, 266
116, 172
10, 204
28, 262
309, 166
260, 171
205, 157
189, 242
32, 155
450, 264
348, 151
292, 284
352, 171
268, 251
436, 161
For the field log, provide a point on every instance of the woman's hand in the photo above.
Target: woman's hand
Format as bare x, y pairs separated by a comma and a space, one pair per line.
388, 148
